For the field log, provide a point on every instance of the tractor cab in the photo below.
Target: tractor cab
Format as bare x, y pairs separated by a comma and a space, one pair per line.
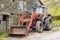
41, 10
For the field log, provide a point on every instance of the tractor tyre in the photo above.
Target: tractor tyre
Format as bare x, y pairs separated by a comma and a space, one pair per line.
48, 23
39, 26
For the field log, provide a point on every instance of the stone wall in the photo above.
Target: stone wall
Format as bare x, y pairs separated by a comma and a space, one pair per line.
11, 8
13, 20
1, 17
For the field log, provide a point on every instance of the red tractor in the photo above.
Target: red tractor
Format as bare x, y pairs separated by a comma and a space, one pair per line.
33, 21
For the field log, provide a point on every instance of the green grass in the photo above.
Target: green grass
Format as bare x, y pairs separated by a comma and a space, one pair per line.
4, 35
54, 12
56, 22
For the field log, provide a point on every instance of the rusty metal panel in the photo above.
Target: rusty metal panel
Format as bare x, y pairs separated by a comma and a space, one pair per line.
18, 30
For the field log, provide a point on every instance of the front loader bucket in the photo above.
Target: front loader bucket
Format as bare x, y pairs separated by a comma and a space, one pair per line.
18, 31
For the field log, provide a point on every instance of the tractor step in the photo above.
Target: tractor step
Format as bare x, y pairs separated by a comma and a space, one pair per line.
18, 30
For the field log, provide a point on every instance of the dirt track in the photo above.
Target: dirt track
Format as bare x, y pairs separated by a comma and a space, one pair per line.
46, 35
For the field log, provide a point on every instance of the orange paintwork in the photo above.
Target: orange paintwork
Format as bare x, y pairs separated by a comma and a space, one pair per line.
29, 21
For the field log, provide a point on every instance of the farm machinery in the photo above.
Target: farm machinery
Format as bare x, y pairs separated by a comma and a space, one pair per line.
37, 20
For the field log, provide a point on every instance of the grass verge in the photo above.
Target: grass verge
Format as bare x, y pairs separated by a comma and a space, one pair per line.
3, 35
56, 23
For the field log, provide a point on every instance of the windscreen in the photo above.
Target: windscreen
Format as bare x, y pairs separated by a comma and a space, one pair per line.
41, 10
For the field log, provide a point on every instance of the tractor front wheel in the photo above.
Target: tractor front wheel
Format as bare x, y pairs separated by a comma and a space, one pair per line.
39, 26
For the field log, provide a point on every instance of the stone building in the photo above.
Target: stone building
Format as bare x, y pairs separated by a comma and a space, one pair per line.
9, 13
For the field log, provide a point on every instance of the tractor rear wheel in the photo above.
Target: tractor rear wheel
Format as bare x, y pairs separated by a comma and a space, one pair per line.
48, 23
39, 26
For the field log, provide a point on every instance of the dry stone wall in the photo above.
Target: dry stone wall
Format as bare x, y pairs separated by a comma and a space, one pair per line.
11, 8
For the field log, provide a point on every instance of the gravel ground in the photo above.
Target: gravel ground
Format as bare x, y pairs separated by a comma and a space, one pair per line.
46, 35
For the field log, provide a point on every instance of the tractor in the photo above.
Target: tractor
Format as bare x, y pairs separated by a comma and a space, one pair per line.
37, 20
